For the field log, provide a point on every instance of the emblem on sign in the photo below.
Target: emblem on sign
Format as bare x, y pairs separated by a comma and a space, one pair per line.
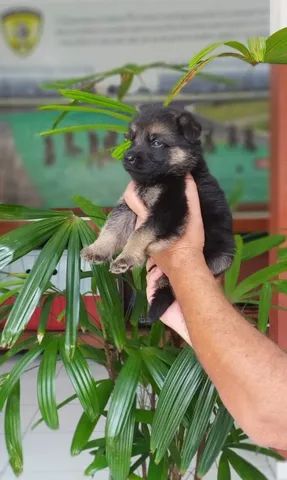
22, 29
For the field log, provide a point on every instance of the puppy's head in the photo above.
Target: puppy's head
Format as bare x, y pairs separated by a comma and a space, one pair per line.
165, 141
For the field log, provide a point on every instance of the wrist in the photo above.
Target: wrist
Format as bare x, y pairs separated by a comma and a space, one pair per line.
183, 262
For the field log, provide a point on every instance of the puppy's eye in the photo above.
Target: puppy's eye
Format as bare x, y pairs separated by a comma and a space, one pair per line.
156, 143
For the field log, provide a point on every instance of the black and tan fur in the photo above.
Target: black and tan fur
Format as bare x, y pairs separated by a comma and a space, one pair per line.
165, 147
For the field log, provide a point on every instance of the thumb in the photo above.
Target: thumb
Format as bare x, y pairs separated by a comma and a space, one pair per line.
134, 202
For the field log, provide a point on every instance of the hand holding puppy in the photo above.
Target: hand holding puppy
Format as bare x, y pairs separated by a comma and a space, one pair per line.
176, 254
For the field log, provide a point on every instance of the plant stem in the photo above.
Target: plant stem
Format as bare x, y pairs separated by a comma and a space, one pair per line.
152, 401
109, 358
144, 470
198, 455
175, 474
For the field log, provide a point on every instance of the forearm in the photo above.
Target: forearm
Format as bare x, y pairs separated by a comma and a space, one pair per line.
247, 369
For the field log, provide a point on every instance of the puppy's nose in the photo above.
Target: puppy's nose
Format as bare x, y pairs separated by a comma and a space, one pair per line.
130, 157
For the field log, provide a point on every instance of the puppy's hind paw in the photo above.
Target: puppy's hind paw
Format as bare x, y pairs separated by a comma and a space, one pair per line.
121, 265
91, 255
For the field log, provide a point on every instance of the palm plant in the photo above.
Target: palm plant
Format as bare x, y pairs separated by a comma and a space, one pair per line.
162, 412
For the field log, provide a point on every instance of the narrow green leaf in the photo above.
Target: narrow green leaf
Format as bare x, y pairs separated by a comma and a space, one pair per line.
16, 372
72, 291
243, 468
19, 212
87, 322
199, 423
187, 77
99, 463
93, 353
156, 333
257, 48
111, 305
81, 109
119, 151
44, 316
62, 115
46, 384
232, 274
282, 254
254, 448
96, 213
140, 444
193, 62
223, 472
144, 416
35, 284
17, 283
215, 440
256, 279
235, 196
4, 312
16, 243
110, 127
12, 429
139, 308
123, 396
265, 301
92, 445
126, 82
97, 99
167, 355
82, 381
157, 369
181, 384
89, 81
261, 245
157, 471
19, 347
280, 285
8, 294
236, 435
240, 47
86, 426
119, 449
59, 406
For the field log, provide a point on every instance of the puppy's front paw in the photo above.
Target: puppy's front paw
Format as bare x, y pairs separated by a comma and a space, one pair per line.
121, 265
94, 255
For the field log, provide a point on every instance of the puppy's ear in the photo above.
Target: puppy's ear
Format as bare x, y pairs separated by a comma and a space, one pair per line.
189, 127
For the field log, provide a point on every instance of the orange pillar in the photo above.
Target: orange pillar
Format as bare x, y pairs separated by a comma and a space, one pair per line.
278, 187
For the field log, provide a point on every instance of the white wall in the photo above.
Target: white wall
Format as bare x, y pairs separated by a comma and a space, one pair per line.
278, 14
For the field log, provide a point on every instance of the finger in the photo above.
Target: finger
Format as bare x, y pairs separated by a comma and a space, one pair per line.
152, 280
133, 201
173, 318
193, 200
139, 222
154, 275
150, 264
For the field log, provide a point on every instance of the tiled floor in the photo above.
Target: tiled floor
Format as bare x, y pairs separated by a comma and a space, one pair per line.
46, 452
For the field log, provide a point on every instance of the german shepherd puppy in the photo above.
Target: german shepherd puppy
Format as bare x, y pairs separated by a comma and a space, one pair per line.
165, 147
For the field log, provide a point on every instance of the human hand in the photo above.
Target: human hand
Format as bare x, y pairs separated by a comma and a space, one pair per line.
189, 245
173, 316
187, 248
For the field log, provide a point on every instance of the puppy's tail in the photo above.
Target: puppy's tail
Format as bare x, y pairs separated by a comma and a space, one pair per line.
162, 299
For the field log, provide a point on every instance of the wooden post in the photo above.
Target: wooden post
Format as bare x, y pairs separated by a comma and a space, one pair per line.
278, 187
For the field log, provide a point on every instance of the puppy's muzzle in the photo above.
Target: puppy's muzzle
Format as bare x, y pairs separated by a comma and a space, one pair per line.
130, 158
133, 159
